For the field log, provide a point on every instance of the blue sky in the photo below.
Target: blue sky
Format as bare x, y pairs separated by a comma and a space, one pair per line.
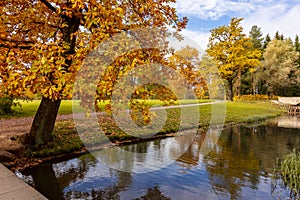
269, 15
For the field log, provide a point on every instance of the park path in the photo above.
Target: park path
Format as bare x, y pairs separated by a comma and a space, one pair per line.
12, 128
14, 188
22, 124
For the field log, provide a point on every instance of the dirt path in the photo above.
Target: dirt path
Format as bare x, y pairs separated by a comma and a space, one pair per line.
10, 129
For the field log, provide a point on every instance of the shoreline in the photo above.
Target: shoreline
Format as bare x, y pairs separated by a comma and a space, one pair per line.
23, 164
238, 114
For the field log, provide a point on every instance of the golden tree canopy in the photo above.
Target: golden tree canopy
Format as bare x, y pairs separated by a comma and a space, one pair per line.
232, 51
43, 42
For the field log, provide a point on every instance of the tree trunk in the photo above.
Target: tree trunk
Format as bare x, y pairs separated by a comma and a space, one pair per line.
44, 119
43, 123
46, 182
253, 86
239, 83
230, 90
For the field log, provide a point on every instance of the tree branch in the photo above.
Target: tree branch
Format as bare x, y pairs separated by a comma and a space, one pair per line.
46, 3
135, 10
15, 46
15, 41
43, 23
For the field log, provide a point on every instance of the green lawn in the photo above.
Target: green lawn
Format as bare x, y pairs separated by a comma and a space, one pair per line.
235, 112
241, 111
29, 108
65, 137
250, 111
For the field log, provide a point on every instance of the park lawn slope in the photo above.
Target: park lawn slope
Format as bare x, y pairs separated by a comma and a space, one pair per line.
66, 140
28, 108
250, 111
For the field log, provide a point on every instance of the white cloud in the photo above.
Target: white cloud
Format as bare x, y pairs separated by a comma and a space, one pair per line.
197, 37
269, 15
214, 9
281, 17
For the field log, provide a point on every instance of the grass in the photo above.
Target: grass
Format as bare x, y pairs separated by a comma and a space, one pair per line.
288, 170
27, 108
250, 111
156, 102
66, 140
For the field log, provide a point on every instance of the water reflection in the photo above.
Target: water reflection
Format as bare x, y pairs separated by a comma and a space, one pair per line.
288, 121
239, 167
145, 157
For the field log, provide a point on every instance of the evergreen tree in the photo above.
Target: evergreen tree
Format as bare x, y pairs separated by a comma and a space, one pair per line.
297, 44
249, 81
256, 37
297, 47
266, 41
277, 36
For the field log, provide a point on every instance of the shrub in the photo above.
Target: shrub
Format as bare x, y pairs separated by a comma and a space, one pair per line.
256, 97
6, 105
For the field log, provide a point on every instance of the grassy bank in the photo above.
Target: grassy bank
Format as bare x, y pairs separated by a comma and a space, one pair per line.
29, 108
66, 139
246, 112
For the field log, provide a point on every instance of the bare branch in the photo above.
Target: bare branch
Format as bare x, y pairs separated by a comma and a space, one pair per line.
46, 3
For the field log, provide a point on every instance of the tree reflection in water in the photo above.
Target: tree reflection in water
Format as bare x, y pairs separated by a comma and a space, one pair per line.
239, 166
232, 168
154, 194
221, 163
112, 193
242, 156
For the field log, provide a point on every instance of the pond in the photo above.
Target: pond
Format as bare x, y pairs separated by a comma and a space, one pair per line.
239, 166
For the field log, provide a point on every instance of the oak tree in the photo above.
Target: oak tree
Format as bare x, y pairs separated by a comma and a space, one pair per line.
233, 53
214, 83
44, 42
187, 62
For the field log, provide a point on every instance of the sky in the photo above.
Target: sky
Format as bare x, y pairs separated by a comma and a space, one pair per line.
269, 15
